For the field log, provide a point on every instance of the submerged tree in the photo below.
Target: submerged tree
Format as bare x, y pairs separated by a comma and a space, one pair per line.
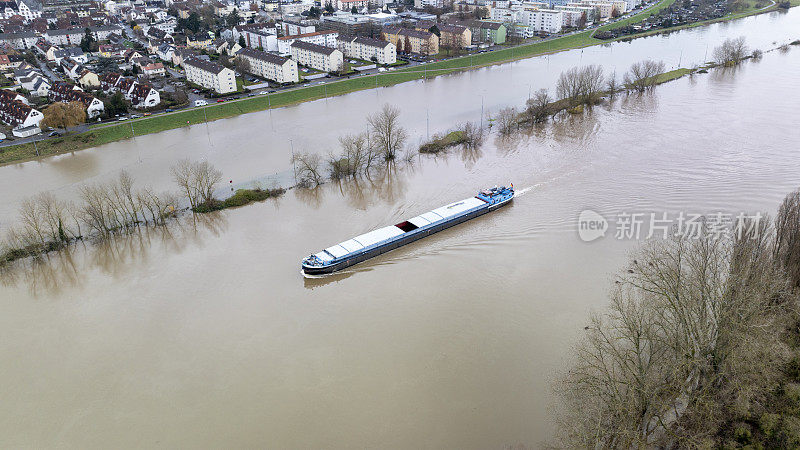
538, 108
674, 355
731, 52
388, 134
580, 85
643, 75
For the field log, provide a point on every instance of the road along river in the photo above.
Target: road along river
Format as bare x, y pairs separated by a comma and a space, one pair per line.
208, 336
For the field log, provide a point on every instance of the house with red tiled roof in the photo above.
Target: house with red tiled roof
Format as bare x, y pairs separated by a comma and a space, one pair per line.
141, 95
15, 112
66, 93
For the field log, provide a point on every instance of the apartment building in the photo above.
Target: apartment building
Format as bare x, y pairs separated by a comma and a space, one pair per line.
19, 41
450, 35
317, 57
270, 66
210, 75
259, 39
542, 20
421, 42
368, 49
326, 38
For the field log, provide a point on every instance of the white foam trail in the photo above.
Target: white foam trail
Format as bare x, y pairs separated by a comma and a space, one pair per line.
523, 191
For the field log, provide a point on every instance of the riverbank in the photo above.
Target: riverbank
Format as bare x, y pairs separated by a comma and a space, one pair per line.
130, 130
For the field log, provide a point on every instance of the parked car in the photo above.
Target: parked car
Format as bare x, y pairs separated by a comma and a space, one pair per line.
219, 100
200, 103
147, 114
135, 116
169, 110
54, 134
122, 118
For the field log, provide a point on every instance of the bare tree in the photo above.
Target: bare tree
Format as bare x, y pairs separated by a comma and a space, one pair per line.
34, 224
507, 120
731, 52
206, 179
387, 132
580, 85
182, 173
472, 134
643, 75
687, 318
242, 64
95, 211
54, 212
308, 167
197, 180
787, 236
538, 107
612, 85
353, 159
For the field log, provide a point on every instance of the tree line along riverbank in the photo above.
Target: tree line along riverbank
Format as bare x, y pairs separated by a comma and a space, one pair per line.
105, 134
48, 224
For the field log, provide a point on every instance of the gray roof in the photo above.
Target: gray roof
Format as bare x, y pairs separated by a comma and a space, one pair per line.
408, 32
371, 42
68, 52
451, 28
208, 66
263, 56
21, 35
488, 25
64, 32
313, 47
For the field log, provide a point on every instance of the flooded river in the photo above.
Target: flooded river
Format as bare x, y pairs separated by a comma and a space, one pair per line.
206, 334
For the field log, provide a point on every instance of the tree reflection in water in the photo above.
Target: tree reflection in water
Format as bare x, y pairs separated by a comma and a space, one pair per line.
115, 255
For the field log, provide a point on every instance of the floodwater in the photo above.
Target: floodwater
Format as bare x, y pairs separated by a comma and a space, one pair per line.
205, 334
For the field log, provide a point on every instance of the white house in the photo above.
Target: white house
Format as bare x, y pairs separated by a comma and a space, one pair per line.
210, 75
326, 59
28, 9
368, 49
64, 38
75, 53
17, 113
270, 66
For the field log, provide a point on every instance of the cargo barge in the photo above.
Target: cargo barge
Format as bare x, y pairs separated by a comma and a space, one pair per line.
382, 240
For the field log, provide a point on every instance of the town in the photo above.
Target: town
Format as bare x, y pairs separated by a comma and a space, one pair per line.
67, 65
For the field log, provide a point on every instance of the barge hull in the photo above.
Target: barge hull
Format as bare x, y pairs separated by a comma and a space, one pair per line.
404, 240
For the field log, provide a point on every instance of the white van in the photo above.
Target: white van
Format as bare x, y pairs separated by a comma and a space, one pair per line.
200, 103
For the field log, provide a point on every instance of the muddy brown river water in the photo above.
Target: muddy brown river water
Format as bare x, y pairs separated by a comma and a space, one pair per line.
206, 334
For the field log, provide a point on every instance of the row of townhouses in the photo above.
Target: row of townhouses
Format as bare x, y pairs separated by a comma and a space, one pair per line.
67, 93
141, 95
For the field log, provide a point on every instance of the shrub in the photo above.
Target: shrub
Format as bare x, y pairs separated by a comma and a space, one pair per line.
742, 434
768, 424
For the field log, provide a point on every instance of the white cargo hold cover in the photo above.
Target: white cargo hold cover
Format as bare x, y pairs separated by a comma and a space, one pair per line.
375, 236
419, 221
351, 246
431, 217
337, 251
325, 257
458, 207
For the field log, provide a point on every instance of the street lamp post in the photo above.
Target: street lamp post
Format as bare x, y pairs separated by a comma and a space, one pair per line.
481, 111
294, 167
